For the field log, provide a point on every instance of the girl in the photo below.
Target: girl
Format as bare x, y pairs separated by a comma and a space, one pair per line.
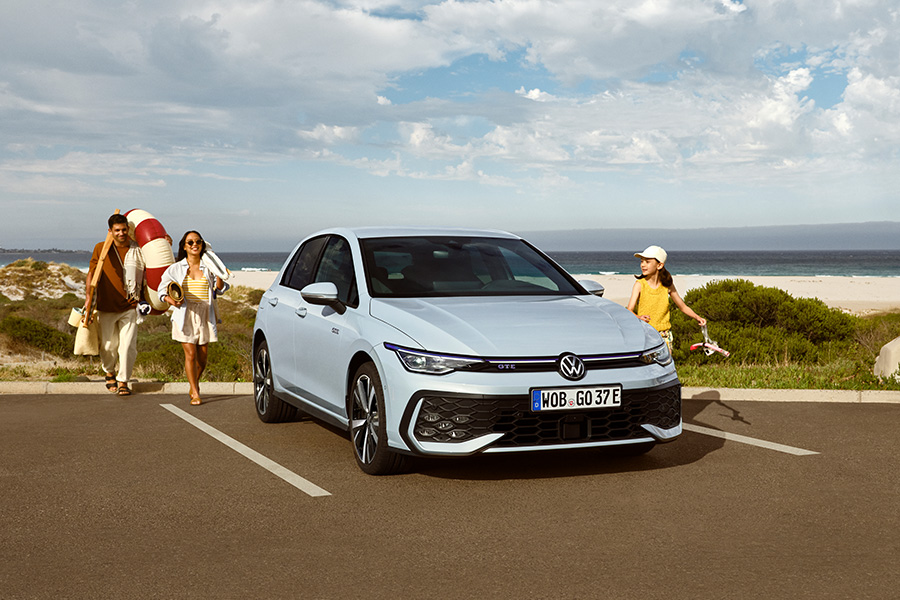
651, 293
194, 318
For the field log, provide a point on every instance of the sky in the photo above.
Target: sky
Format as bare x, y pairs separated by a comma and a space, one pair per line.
259, 122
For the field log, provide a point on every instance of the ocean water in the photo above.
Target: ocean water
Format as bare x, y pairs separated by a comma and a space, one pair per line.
799, 263
235, 261
834, 263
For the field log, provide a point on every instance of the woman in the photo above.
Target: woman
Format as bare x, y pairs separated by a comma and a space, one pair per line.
194, 318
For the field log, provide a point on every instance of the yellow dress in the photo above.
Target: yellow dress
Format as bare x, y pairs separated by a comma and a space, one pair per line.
655, 302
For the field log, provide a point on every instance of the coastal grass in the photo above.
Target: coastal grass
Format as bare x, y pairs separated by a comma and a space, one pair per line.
37, 330
779, 342
835, 375
776, 341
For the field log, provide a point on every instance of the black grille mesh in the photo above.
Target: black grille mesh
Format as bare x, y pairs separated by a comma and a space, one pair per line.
448, 418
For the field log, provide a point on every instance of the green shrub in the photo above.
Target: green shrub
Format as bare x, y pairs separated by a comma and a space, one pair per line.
874, 331
38, 335
62, 376
254, 296
761, 325
160, 355
227, 362
161, 358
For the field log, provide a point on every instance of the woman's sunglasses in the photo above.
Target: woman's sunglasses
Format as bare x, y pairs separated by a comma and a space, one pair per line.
194, 242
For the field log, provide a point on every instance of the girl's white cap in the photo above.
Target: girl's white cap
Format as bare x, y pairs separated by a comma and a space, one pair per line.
653, 252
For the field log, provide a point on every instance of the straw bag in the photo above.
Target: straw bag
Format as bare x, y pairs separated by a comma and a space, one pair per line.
75, 316
87, 339
174, 291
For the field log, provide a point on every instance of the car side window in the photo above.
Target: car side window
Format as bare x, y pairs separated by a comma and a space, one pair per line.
336, 266
300, 272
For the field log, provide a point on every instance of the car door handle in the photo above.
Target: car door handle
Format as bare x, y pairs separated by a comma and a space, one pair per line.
301, 311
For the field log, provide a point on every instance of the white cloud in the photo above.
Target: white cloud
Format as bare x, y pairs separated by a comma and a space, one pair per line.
153, 98
329, 134
535, 94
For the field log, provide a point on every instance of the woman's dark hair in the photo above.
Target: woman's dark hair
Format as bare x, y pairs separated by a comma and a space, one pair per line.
665, 278
182, 253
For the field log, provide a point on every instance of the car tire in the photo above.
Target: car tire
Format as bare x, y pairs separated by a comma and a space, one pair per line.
368, 428
269, 408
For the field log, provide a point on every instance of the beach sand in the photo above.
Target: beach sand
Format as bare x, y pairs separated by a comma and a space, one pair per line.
857, 295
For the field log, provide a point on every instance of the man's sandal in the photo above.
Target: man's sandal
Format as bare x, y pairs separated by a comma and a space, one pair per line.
123, 390
111, 383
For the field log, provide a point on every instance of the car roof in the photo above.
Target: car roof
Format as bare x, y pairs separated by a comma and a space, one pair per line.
385, 231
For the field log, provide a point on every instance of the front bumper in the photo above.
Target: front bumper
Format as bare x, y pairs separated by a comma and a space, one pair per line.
452, 424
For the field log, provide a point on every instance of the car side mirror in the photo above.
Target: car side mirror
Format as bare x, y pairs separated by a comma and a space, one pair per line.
593, 287
323, 293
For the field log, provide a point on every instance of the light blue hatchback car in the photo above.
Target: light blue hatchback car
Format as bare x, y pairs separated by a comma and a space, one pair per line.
451, 342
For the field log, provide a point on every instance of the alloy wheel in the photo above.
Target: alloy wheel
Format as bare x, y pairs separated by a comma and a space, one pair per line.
262, 380
365, 420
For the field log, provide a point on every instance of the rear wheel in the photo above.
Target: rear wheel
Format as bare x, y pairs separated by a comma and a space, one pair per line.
269, 408
368, 426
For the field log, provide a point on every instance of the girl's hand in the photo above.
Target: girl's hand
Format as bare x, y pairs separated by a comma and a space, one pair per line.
173, 302
701, 321
644, 318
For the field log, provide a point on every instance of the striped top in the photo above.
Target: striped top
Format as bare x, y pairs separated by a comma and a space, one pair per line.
196, 290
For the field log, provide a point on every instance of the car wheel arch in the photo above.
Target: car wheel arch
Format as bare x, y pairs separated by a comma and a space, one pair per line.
269, 407
258, 338
359, 358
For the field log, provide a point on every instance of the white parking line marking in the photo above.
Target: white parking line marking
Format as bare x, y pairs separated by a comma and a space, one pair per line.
273, 467
748, 440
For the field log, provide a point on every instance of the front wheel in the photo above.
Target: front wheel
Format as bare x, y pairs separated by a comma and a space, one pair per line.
269, 408
368, 425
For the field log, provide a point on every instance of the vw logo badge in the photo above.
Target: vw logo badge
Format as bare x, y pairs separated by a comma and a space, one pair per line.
571, 367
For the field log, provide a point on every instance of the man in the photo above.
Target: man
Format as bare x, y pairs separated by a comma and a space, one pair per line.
118, 293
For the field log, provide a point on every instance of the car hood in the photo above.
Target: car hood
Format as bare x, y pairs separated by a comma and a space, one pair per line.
512, 327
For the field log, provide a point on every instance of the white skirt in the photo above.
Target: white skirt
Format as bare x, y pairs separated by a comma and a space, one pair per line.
196, 325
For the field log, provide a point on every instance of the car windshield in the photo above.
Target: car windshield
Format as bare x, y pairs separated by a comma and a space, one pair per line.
435, 266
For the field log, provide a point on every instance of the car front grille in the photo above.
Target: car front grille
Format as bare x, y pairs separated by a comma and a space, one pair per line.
450, 418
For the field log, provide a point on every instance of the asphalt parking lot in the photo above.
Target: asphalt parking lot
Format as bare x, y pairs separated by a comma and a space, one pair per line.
149, 497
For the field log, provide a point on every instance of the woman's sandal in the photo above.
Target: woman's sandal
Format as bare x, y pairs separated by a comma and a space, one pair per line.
123, 390
111, 383
195, 400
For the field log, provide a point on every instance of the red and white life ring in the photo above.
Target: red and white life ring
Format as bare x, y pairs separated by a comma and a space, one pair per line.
150, 235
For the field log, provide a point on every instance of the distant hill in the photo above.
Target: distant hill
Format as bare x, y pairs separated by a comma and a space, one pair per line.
881, 235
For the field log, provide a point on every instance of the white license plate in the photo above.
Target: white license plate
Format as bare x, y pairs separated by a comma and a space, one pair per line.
576, 398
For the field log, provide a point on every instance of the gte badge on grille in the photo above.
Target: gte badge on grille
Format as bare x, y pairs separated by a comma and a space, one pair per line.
571, 367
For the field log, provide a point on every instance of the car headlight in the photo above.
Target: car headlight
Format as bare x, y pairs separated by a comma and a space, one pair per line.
659, 355
431, 363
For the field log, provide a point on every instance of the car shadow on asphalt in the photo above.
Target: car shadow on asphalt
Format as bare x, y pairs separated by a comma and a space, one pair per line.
688, 448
